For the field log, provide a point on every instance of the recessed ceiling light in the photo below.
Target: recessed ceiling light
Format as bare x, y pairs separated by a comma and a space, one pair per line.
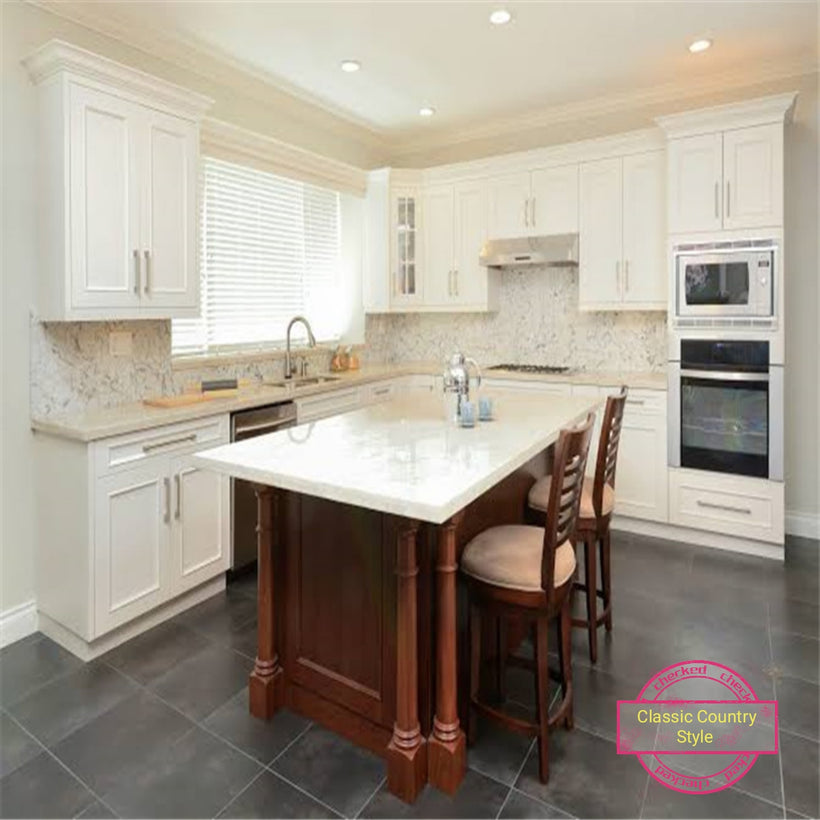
699, 45
426, 111
500, 17
350, 66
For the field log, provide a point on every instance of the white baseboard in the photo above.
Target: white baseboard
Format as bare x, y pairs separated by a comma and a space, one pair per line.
701, 538
18, 622
805, 524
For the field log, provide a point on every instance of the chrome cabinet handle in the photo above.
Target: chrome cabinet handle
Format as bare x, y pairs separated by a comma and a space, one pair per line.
147, 255
136, 271
381, 391
727, 507
527, 212
532, 211
728, 199
618, 275
626, 275
725, 375
640, 402
449, 283
178, 489
717, 200
148, 448
166, 516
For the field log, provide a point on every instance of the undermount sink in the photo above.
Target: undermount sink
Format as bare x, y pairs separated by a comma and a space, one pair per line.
304, 381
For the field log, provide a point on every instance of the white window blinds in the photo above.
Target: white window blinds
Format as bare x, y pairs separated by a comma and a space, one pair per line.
270, 250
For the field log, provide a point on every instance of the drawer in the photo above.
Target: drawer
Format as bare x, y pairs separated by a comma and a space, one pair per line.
591, 390
734, 505
643, 402
380, 391
131, 449
548, 388
328, 404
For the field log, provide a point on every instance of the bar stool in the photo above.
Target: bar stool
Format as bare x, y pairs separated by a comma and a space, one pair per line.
597, 503
526, 572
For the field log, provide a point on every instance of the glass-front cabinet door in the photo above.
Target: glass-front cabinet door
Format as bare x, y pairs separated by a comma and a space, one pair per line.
407, 285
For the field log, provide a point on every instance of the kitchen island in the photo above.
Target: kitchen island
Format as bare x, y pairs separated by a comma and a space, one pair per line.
361, 520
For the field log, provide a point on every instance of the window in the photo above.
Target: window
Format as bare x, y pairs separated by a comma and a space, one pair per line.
270, 250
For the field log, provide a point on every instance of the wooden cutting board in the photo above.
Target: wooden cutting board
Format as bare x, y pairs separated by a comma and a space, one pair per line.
184, 399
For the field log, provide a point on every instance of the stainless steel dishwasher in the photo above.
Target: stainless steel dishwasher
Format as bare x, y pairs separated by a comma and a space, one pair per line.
249, 424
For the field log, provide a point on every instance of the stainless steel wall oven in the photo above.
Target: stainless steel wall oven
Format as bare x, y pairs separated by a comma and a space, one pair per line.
726, 409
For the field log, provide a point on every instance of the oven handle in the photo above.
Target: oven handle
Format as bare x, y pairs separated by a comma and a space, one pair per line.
721, 376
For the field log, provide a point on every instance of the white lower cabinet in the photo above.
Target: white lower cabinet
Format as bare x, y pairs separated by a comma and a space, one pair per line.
512, 385
313, 408
128, 524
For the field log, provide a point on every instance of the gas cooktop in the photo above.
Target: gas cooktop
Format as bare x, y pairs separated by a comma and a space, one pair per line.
530, 368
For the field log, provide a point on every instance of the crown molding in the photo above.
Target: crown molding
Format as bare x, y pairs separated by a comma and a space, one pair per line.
57, 56
205, 61
777, 108
595, 108
233, 144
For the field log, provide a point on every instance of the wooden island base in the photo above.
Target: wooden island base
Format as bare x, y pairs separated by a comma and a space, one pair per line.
364, 609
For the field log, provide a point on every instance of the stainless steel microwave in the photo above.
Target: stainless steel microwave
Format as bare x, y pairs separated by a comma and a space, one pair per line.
726, 279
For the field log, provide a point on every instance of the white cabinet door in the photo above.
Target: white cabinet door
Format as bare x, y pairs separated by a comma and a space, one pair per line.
644, 229
407, 288
555, 200
753, 176
104, 199
600, 218
169, 232
695, 174
594, 392
131, 538
439, 254
470, 279
509, 206
201, 515
640, 478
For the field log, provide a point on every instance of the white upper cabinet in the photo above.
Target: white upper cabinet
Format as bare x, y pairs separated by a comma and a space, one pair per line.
644, 230
405, 228
621, 265
753, 177
600, 232
544, 201
118, 190
474, 285
439, 249
725, 166
509, 202
695, 193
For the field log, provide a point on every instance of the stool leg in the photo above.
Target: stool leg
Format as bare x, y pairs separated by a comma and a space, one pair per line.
592, 595
566, 658
501, 658
475, 669
606, 580
543, 701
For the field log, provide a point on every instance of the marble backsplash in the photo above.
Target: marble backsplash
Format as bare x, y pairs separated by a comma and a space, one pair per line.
538, 322
72, 368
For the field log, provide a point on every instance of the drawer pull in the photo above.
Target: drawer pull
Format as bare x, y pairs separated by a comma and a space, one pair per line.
166, 516
727, 507
637, 402
383, 391
178, 488
148, 448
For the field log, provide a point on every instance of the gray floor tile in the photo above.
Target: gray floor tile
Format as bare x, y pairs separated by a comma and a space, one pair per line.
262, 739
64, 705
519, 805
661, 801
270, 796
195, 777
801, 772
150, 655
796, 655
243, 639
120, 740
203, 682
798, 706
97, 811
596, 697
30, 663
587, 777
478, 796
331, 768
498, 752
42, 788
800, 617
16, 746
246, 584
219, 616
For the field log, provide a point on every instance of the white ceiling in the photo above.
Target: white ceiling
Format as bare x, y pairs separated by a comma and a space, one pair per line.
446, 54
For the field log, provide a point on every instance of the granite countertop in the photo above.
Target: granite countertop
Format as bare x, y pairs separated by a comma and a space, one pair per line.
402, 457
126, 418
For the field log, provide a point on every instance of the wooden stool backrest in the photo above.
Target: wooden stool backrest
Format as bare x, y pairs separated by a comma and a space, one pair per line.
608, 448
565, 495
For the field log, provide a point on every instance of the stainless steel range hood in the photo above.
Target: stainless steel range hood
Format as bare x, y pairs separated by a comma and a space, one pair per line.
553, 251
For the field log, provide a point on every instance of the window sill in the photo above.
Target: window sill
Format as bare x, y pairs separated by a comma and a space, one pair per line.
197, 361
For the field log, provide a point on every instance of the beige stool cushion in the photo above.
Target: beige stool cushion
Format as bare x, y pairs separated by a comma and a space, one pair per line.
510, 556
539, 497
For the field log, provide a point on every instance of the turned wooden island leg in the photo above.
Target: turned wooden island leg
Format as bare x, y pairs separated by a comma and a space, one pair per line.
407, 749
447, 759
266, 685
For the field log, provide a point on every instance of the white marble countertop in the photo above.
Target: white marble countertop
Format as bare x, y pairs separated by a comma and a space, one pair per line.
402, 457
126, 418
